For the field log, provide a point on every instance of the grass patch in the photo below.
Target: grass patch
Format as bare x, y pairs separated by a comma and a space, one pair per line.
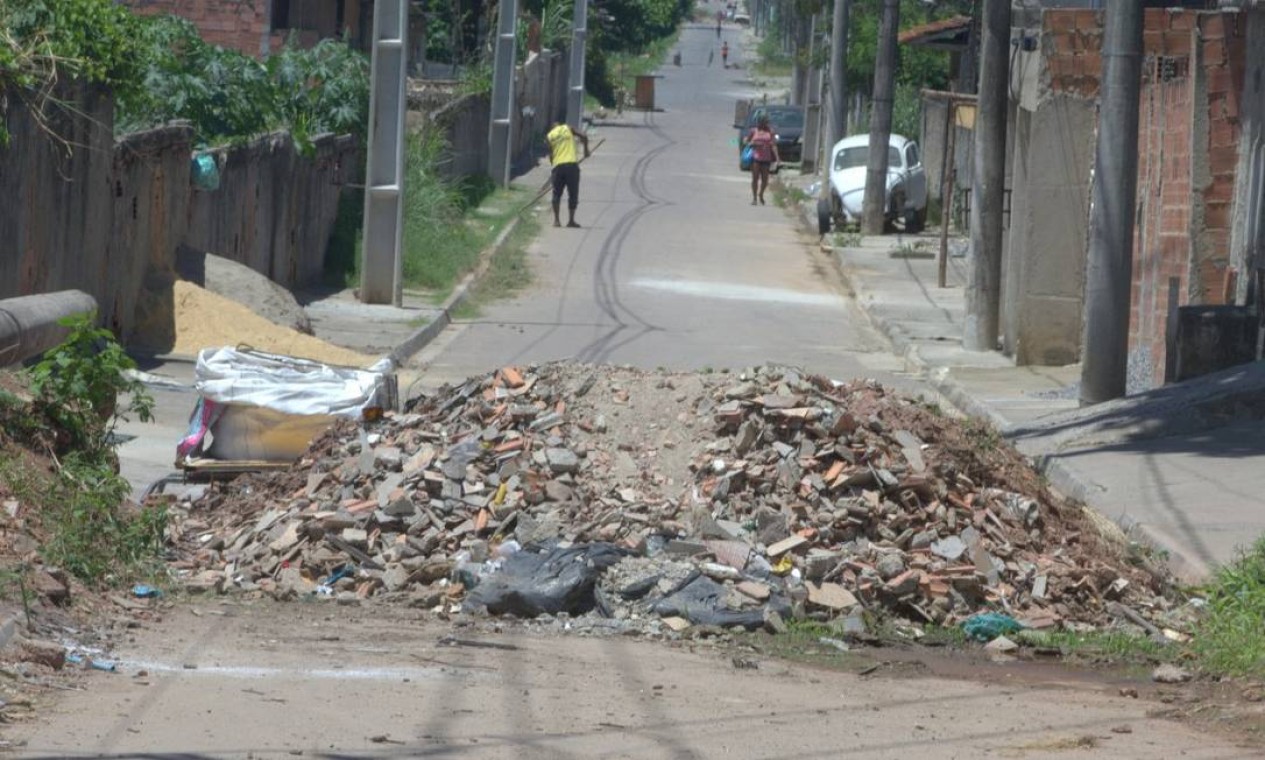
508, 272
1231, 638
448, 223
772, 61
787, 196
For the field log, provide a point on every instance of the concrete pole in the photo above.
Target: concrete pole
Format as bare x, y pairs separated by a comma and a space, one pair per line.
575, 91
29, 324
983, 282
875, 205
502, 130
1109, 275
838, 75
382, 267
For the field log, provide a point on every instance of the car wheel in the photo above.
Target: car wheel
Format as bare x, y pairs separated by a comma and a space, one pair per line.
916, 220
823, 216
894, 212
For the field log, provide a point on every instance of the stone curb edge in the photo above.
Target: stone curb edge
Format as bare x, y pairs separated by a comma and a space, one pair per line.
1062, 478
411, 345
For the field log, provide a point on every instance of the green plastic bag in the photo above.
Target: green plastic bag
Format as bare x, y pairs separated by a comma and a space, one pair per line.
205, 172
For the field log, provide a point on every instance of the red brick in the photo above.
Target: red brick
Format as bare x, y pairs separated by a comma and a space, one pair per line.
1214, 53
1223, 160
1217, 216
1181, 20
1059, 21
1212, 26
1175, 44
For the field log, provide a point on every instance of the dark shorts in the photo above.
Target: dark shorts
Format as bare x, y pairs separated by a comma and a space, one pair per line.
567, 176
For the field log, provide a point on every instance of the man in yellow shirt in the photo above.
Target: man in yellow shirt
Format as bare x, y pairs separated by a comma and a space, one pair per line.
566, 168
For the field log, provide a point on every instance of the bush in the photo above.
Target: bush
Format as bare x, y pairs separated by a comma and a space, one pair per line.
231, 97
92, 531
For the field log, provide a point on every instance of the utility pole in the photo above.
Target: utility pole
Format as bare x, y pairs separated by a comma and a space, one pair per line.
874, 208
575, 93
983, 283
502, 132
1109, 276
382, 266
838, 76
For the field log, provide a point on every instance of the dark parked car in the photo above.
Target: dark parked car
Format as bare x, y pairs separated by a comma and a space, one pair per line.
787, 123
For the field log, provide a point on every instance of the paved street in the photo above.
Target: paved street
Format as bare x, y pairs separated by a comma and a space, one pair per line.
674, 267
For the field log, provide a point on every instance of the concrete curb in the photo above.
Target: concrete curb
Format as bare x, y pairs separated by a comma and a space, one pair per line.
1062, 478
414, 343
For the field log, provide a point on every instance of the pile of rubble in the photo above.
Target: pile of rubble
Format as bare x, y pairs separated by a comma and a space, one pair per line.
727, 499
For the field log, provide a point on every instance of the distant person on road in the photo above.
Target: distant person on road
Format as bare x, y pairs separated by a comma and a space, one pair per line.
763, 156
566, 169
724, 53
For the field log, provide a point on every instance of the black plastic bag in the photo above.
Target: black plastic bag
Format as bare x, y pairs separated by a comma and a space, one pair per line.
702, 602
537, 582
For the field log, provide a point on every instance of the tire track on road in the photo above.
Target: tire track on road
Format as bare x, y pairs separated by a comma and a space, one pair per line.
606, 293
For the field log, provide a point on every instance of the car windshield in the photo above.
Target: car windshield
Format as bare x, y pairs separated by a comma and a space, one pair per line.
851, 158
782, 118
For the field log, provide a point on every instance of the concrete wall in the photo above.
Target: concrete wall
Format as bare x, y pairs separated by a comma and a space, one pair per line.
58, 197
540, 96
1049, 230
1190, 159
1247, 230
107, 217
275, 209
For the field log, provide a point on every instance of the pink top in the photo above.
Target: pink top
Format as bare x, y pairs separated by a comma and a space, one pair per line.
761, 142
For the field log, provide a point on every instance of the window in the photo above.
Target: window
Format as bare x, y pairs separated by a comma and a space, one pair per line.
851, 158
911, 155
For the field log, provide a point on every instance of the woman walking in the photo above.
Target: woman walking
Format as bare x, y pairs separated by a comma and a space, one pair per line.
763, 155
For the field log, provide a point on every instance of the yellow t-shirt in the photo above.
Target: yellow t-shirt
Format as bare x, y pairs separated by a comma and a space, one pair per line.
561, 145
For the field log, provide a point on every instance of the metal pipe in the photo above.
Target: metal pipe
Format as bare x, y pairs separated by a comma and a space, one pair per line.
1109, 274
30, 325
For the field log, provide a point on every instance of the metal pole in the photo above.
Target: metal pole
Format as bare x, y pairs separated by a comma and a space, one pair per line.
575, 93
874, 209
949, 164
30, 325
838, 74
502, 129
1109, 275
381, 271
983, 283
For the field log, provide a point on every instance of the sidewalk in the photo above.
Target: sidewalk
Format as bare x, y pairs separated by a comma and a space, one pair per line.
1178, 467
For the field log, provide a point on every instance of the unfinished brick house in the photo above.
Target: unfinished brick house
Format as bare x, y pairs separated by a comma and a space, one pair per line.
1200, 175
257, 27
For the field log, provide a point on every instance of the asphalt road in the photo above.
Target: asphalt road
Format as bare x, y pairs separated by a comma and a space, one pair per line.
673, 266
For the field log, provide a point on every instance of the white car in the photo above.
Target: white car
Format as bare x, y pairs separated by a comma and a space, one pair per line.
906, 184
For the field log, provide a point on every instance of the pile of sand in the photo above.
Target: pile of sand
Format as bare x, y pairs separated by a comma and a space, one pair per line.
206, 320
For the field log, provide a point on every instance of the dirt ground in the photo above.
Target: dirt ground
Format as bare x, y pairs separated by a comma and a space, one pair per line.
263, 680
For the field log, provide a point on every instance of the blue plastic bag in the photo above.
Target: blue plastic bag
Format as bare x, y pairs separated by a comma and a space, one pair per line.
748, 155
987, 626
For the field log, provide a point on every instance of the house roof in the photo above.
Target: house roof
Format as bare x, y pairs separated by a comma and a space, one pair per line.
946, 34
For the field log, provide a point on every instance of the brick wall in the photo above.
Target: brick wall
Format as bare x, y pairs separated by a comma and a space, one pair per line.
1188, 151
238, 24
